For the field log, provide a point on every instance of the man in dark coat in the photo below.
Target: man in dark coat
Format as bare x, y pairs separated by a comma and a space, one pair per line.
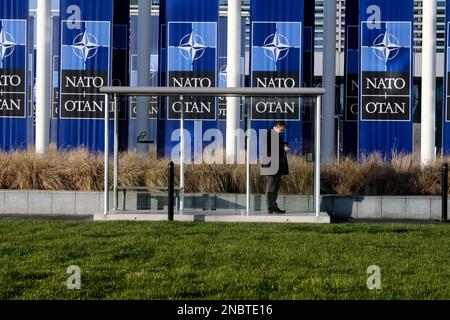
273, 181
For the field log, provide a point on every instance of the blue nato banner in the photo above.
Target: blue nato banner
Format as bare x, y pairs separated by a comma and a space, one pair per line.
276, 62
190, 28
350, 134
121, 63
86, 64
446, 113
386, 71
13, 74
154, 80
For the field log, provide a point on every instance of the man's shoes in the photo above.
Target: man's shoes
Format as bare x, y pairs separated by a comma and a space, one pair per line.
276, 210
279, 211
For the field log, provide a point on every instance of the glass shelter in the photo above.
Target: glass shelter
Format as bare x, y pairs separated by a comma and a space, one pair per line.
300, 193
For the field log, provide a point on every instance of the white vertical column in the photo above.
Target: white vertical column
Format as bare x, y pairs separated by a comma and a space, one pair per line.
329, 79
143, 51
233, 77
429, 82
43, 76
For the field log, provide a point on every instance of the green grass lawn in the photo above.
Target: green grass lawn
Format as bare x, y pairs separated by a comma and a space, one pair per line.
130, 260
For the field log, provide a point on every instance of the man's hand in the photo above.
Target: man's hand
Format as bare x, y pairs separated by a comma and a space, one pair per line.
286, 149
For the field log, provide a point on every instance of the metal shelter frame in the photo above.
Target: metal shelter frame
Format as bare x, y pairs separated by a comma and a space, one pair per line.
115, 92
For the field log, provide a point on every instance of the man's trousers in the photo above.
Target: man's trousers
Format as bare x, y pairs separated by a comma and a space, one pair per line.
273, 184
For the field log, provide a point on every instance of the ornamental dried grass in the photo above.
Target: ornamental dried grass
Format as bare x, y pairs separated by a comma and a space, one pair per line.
80, 170
72, 170
375, 175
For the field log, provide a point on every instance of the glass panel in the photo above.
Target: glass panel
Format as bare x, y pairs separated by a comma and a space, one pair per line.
213, 185
143, 178
291, 187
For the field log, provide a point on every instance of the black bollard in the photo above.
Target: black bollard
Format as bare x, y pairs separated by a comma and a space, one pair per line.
171, 189
444, 192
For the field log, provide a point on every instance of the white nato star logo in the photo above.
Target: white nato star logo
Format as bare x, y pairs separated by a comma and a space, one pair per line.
7, 44
192, 47
276, 47
386, 47
85, 46
223, 72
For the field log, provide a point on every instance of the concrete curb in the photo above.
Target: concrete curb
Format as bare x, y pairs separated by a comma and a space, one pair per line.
221, 218
384, 208
91, 203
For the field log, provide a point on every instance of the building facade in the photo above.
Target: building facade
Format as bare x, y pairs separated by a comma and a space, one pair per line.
340, 48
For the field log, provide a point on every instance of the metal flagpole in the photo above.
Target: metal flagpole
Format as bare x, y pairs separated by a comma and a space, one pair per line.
106, 165
43, 76
428, 152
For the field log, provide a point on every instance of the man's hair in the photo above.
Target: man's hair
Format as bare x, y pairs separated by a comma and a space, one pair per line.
280, 124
